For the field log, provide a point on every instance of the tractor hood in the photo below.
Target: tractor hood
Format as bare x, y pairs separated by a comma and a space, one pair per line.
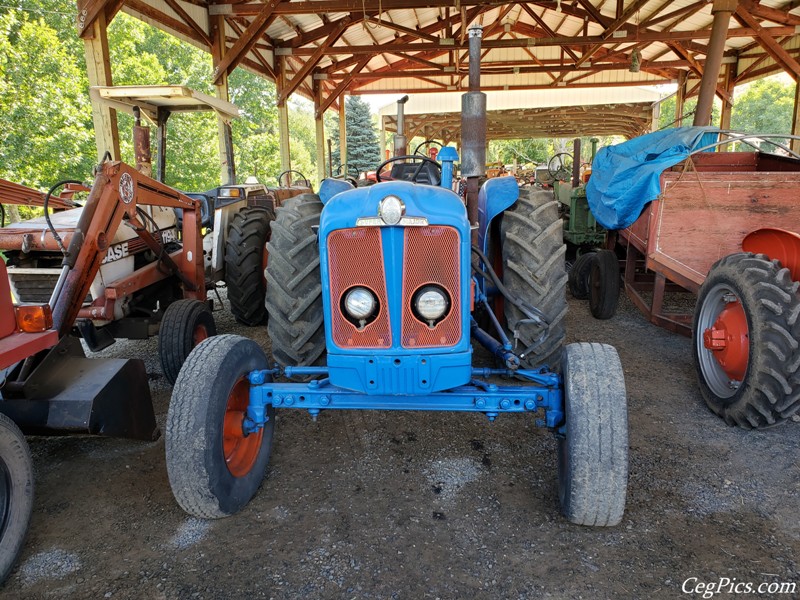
437, 205
66, 221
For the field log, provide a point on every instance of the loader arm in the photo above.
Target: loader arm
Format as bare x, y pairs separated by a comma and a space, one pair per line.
118, 191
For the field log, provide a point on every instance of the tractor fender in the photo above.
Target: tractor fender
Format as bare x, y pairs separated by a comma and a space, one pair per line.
330, 187
777, 244
496, 195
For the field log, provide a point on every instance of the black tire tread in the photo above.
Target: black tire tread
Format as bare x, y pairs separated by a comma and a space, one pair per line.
770, 393
593, 491
294, 286
189, 471
604, 283
578, 280
534, 269
16, 455
247, 236
176, 333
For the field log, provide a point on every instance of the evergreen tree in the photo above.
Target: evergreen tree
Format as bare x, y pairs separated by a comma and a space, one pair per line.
363, 148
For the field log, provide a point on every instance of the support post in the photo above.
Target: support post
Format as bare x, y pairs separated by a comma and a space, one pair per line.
727, 105
795, 144
283, 119
382, 138
680, 98
98, 67
722, 11
319, 126
225, 135
342, 134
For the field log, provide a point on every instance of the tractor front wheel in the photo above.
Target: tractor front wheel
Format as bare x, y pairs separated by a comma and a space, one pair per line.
745, 334
245, 261
185, 324
593, 451
214, 467
532, 242
294, 284
16, 493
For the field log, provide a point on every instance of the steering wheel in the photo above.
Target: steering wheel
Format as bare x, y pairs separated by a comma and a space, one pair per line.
346, 174
560, 166
290, 171
427, 143
423, 160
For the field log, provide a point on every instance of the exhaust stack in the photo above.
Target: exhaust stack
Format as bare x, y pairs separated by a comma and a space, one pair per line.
473, 113
400, 139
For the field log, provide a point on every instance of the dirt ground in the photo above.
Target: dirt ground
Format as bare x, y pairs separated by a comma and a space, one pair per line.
414, 505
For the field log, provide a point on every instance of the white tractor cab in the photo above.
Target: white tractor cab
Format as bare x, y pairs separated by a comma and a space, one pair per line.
228, 240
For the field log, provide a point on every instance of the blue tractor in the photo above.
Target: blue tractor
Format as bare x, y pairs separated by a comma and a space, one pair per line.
374, 297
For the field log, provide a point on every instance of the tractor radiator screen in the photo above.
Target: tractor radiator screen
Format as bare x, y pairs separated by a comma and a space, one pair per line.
355, 258
431, 257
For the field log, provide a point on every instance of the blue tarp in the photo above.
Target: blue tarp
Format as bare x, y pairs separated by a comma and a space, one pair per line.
625, 177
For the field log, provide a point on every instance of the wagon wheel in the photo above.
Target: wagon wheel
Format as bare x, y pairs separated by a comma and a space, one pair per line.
744, 344
604, 284
214, 466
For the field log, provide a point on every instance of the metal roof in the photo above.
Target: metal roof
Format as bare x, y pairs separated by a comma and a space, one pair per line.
326, 47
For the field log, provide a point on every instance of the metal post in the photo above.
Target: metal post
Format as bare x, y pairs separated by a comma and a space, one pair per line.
576, 162
680, 98
795, 144
320, 134
283, 120
161, 144
722, 11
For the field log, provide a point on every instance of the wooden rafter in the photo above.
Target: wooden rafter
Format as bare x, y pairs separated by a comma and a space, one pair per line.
175, 5
771, 47
237, 52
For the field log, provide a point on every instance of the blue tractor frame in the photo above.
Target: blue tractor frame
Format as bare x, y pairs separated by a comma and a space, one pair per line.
226, 395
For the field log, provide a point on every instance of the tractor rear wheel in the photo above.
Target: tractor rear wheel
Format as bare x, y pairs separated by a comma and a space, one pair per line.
745, 334
185, 324
16, 493
532, 242
604, 284
245, 261
579, 275
593, 452
294, 285
214, 467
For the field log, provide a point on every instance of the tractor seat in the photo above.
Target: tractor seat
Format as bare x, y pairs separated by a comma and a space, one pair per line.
206, 212
428, 174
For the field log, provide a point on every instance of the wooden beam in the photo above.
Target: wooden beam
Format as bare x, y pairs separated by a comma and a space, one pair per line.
633, 37
245, 42
88, 12
315, 57
98, 68
337, 92
771, 47
224, 132
174, 5
264, 67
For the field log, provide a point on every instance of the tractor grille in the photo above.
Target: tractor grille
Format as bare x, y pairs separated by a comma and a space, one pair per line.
33, 285
350, 253
431, 257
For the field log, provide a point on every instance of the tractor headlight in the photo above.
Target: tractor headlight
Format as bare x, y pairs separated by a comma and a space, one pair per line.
391, 209
431, 303
359, 303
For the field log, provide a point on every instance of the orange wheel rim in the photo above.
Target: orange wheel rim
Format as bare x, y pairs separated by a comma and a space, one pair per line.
240, 450
199, 334
729, 340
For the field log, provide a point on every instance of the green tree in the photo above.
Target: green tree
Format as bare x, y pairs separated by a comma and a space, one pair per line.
764, 106
363, 148
45, 123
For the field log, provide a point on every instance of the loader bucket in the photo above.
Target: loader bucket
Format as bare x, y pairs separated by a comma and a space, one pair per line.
70, 393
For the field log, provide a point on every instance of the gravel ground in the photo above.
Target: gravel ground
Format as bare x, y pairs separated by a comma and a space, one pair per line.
415, 505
